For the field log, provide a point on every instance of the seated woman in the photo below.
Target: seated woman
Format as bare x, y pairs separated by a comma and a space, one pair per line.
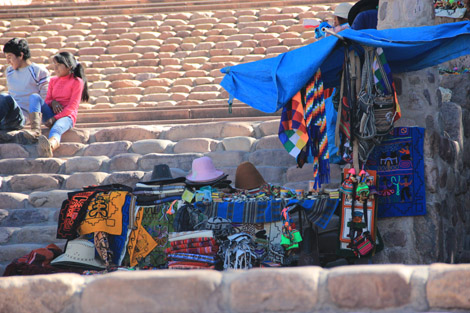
59, 110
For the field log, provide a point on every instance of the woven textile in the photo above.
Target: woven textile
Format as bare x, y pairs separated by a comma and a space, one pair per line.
72, 212
382, 74
140, 243
399, 162
104, 213
211, 259
193, 243
316, 124
252, 212
292, 129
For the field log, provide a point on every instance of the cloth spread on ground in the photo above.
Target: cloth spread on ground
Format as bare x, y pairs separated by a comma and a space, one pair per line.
399, 162
37, 262
252, 212
104, 213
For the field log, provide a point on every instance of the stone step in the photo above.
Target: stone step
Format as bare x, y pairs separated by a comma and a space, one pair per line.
30, 216
168, 115
178, 121
29, 234
147, 8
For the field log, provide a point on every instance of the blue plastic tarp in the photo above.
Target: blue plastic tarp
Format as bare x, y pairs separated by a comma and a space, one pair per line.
268, 84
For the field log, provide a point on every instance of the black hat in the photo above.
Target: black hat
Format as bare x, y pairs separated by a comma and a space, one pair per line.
161, 175
360, 6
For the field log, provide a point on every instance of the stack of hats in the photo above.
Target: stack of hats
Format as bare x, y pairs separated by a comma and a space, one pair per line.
161, 186
192, 250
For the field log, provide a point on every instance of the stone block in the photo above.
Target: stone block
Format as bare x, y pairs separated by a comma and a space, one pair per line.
108, 149
295, 174
153, 291
129, 178
44, 293
22, 217
151, 146
36, 234
238, 143
131, 133
35, 182
371, 287
124, 162
258, 290
68, 149
268, 128
156, 82
272, 157
48, 199
80, 180
448, 286
12, 200
84, 164
268, 142
13, 150
179, 132
201, 145
227, 158
6, 233
182, 161
29, 166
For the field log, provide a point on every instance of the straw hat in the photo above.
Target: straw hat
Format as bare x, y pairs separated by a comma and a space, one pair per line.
203, 170
342, 10
247, 177
79, 253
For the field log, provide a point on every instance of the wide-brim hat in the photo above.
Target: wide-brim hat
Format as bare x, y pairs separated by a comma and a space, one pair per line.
203, 170
342, 10
360, 6
247, 177
79, 253
161, 175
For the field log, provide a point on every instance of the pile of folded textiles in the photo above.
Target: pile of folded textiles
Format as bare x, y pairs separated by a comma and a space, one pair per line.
192, 250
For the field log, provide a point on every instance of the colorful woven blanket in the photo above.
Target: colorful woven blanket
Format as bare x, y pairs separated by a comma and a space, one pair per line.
399, 162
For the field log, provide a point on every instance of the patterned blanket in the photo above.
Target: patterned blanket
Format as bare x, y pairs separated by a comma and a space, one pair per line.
399, 163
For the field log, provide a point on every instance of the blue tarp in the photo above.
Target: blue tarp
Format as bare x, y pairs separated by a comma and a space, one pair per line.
268, 84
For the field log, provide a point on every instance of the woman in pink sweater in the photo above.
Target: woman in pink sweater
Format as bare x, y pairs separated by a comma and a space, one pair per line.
59, 110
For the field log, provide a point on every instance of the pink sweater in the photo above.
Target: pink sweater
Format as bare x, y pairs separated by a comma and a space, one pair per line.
66, 90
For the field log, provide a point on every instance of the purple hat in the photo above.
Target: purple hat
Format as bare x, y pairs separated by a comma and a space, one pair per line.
203, 170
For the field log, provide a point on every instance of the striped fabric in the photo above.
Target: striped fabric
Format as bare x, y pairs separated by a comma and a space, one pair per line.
292, 130
192, 257
193, 243
316, 125
382, 74
210, 250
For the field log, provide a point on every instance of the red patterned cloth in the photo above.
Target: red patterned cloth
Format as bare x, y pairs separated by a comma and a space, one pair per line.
192, 243
189, 265
210, 250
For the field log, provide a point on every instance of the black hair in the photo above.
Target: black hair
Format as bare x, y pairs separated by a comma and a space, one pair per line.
342, 20
16, 46
76, 68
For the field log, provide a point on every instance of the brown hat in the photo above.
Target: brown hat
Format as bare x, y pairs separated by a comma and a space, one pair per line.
247, 177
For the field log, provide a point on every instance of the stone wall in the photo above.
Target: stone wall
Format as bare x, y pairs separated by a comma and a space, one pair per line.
373, 288
443, 234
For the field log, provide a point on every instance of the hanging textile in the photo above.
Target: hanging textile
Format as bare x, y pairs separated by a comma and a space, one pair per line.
315, 117
292, 130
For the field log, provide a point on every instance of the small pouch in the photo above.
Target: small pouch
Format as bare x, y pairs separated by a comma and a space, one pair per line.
363, 244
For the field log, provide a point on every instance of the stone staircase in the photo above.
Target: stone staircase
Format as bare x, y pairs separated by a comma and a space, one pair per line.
154, 74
